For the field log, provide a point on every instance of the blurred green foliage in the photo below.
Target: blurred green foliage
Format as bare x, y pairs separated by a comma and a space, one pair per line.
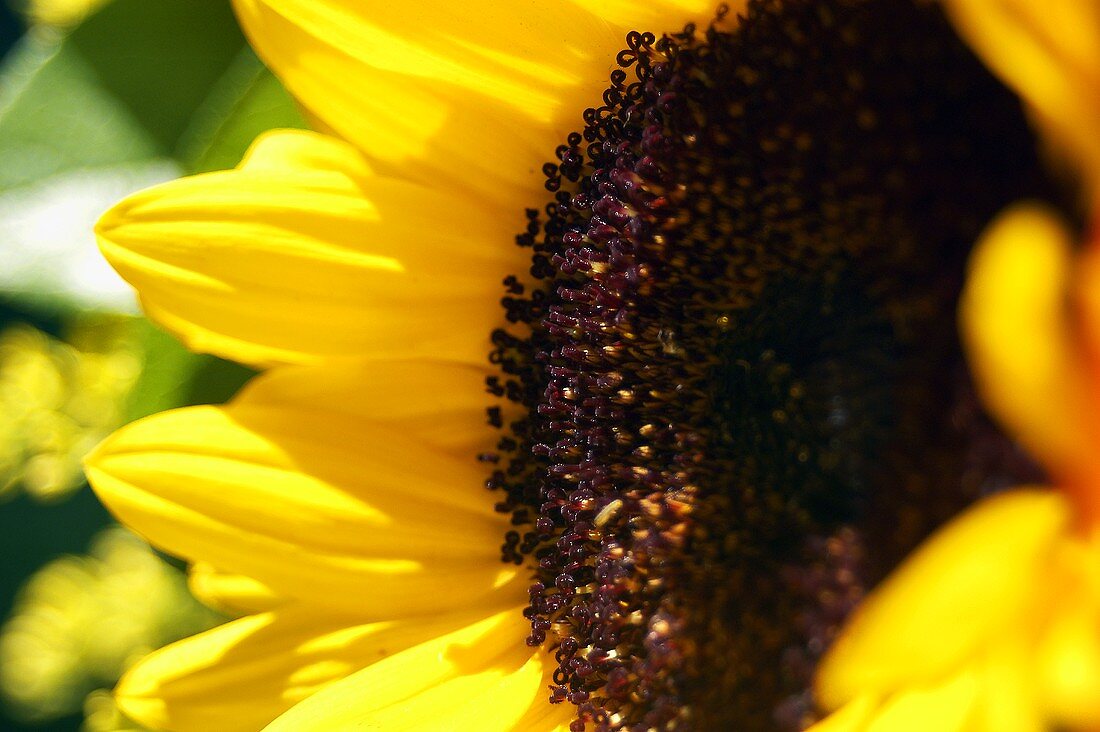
158, 59
138, 80
54, 116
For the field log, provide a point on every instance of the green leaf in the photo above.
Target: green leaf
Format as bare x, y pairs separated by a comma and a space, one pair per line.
245, 102
54, 116
166, 371
89, 117
121, 88
174, 377
160, 58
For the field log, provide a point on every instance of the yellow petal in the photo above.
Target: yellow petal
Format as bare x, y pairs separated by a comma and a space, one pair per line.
852, 717
964, 585
304, 153
1067, 661
1049, 52
658, 17
313, 504
1015, 326
542, 716
476, 95
441, 404
482, 677
300, 255
1009, 698
231, 594
244, 674
945, 707
991, 696
1086, 295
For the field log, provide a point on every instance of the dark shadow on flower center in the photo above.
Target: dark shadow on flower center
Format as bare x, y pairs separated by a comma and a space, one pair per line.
803, 396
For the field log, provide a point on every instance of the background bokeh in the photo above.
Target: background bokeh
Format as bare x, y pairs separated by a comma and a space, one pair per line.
98, 98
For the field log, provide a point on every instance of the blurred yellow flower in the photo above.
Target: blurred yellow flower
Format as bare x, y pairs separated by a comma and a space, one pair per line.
80, 621
101, 714
58, 400
61, 13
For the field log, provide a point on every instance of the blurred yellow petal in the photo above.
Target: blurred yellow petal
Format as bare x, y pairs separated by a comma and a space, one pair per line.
232, 594
1086, 294
1067, 660
946, 707
301, 255
852, 717
311, 503
475, 94
481, 678
244, 674
1049, 52
1025, 360
966, 584
62, 13
1008, 701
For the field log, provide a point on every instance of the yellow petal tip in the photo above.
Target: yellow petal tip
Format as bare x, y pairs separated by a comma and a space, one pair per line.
136, 697
965, 584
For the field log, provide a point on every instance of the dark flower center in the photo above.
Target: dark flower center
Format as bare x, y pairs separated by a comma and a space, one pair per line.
744, 395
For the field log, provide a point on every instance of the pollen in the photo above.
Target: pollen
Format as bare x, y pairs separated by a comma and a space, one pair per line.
742, 394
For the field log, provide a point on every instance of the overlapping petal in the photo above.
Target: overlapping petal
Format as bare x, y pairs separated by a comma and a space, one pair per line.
481, 677
946, 707
242, 675
977, 699
443, 404
1066, 662
231, 594
312, 500
1008, 594
1086, 295
1027, 361
971, 582
301, 255
476, 94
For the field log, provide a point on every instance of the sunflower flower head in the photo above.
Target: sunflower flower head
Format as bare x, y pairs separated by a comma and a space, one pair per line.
726, 392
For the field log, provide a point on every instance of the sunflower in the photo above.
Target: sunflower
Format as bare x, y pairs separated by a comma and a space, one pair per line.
682, 298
